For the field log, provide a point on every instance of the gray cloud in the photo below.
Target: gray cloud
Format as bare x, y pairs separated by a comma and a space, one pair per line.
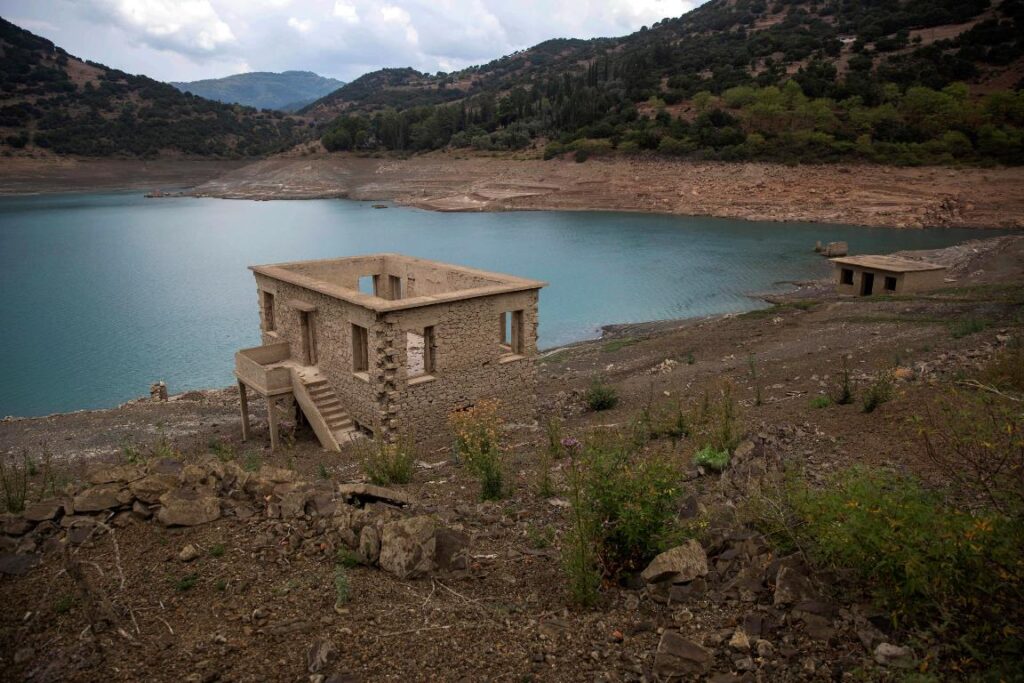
190, 39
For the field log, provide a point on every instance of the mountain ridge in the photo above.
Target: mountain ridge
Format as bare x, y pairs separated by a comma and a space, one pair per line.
284, 91
53, 101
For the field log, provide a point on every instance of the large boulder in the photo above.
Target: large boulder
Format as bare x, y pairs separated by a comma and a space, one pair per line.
680, 564
792, 586
103, 497
188, 507
149, 489
418, 546
116, 474
680, 659
45, 510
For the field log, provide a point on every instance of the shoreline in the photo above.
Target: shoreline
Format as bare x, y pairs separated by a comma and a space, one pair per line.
860, 195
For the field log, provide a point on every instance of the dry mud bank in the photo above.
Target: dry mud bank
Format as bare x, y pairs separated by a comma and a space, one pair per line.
109, 594
19, 175
861, 195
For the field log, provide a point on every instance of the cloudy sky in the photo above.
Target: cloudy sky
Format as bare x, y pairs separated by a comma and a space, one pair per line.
183, 40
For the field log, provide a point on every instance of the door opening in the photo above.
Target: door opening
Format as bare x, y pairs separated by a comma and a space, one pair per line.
308, 337
867, 283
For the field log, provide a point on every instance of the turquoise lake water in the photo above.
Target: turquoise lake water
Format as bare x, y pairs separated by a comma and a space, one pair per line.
103, 294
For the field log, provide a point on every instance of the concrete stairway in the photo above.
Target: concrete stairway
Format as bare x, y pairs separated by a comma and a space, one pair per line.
329, 419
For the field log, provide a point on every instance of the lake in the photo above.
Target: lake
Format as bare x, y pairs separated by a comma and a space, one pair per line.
103, 294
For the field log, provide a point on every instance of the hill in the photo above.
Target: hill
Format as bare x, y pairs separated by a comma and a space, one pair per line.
55, 101
285, 91
904, 81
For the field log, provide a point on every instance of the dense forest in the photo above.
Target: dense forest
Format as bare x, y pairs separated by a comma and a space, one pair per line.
908, 82
52, 100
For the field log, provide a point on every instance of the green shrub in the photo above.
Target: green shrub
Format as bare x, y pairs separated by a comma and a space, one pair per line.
929, 564
477, 432
623, 511
601, 396
878, 392
346, 557
967, 326
218, 550
386, 463
711, 459
821, 402
224, 451
581, 155
186, 583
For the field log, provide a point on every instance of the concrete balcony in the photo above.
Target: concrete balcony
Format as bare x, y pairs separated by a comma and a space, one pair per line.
265, 368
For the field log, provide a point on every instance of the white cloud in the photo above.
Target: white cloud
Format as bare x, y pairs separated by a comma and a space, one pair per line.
188, 26
300, 25
346, 11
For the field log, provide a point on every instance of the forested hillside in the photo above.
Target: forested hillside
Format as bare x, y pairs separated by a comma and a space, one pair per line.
52, 100
285, 91
902, 81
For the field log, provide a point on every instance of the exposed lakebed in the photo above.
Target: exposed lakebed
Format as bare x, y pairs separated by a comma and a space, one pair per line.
105, 293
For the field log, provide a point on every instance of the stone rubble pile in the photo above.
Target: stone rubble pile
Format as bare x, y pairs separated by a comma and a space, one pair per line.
376, 523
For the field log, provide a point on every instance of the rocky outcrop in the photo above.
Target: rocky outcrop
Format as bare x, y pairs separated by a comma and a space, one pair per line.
418, 546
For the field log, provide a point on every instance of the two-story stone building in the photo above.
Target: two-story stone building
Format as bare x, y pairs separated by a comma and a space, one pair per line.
388, 344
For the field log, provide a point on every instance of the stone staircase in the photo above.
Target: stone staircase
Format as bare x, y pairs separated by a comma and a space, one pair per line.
328, 417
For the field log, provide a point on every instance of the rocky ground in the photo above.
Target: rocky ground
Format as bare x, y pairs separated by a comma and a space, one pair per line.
445, 181
166, 549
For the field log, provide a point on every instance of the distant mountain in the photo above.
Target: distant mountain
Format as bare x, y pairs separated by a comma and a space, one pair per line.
52, 100
286, 91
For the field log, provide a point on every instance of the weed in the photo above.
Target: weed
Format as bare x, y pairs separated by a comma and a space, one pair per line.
388, 463
218, 550
878, 392
752, 368
252, 462
186, 583
554, 430
64, 603
821, 402
712, 459
221, 585
963, 327
225, 452
601, 396
341, 586
616, 344
690, 358
672, 423
1006, 370
477, 431
131, 453
718, 420
14, 481
845, 394
347, 557
162, 448
321, 471
540, 537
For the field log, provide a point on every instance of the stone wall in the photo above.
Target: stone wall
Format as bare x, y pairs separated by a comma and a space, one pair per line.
470, 362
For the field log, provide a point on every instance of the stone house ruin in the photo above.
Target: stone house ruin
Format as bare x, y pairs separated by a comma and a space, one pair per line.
387, 344
867, 275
